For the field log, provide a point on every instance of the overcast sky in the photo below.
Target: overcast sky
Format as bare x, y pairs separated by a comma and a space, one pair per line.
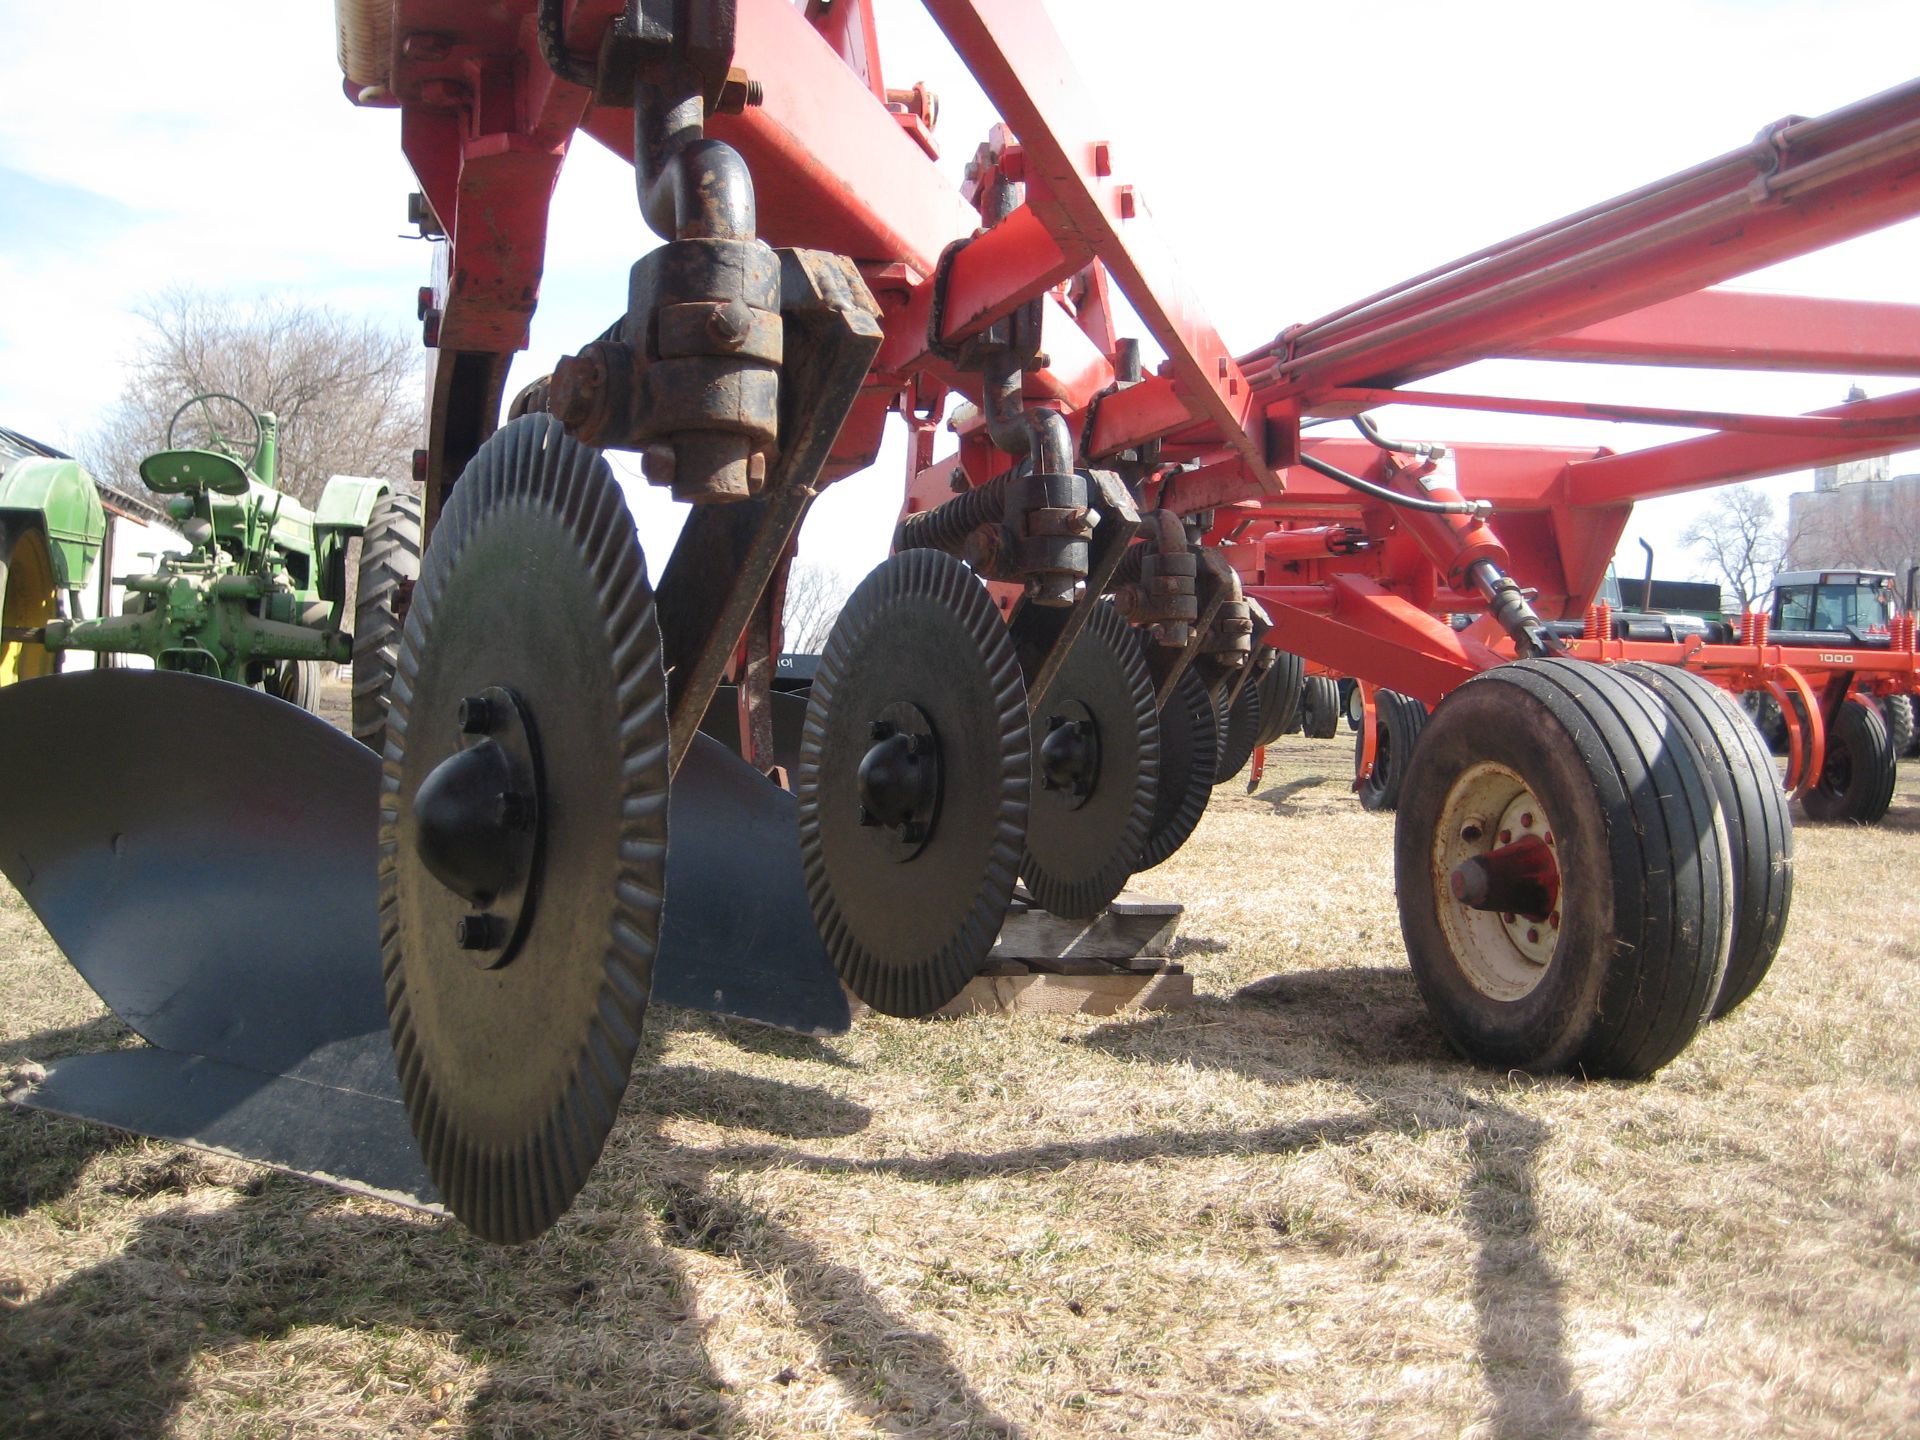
1299, 155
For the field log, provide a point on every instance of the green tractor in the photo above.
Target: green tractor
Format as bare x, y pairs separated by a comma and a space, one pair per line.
260, 594
51, 529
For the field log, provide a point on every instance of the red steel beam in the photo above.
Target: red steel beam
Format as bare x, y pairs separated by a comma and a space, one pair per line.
1749, 330
1378, 636
1725, 459
1022, 64
1802, 185
1812, 427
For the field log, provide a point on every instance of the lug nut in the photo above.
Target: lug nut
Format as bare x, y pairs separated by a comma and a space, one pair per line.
1533, 934
478, 932
476, 715
1526, 820
1506, 837
880, 730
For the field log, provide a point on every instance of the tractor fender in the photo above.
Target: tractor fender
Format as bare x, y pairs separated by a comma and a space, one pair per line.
347, 502
60, 497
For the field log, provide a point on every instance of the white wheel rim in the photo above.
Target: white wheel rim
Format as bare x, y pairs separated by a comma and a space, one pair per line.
1503, 956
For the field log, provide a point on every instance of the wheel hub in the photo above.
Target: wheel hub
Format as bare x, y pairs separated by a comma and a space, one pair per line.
1500, 904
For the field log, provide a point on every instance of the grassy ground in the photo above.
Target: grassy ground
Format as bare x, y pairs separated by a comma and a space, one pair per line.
1287, 1210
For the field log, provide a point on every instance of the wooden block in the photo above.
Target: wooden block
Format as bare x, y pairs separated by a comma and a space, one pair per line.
1132, 927
1108, 994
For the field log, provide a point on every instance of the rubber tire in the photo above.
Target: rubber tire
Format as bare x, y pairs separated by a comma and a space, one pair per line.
1320, 708
298, 683
1754, 806
1280, 696
1241, 732
1897, 711
389, 556
35, 660
1352, 707
1856, 782
1764, 711
1399, 719
1642, 945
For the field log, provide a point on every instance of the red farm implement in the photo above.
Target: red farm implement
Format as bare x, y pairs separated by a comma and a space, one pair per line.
1591, 859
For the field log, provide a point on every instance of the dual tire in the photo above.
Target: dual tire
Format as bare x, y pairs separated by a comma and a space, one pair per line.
1571, 894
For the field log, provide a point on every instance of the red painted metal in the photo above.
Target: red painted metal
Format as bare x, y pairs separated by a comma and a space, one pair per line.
841, 163
1749, 330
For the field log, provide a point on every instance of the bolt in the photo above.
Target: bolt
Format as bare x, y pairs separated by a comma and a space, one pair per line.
918, 745
1554, 919
477, 932
1506, 837
512, 811
1102, 159
1127, 203
422, 302
476, 715
866, 816
657, 463
1471, 831
1054, 722
1533, 934
1507, 916
421, 458
1083, 727
1526, 819
1549, 837
729, 325
957, 481
880, 729
576, 386
422, 46
430, 330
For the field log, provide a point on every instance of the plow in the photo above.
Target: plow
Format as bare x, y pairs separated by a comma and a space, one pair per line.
427, 969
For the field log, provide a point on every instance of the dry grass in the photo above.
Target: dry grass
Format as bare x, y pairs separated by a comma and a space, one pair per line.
1285, 1211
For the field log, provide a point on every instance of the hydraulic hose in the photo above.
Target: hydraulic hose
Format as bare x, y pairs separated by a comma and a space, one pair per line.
1394, 497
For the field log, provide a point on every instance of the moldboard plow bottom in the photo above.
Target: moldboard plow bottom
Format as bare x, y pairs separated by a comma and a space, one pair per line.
227, 913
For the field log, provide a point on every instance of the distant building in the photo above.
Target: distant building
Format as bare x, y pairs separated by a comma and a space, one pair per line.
1858, 515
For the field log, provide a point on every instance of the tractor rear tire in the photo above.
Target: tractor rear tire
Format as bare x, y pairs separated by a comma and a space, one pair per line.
1320, 708
1399, 719
29, 598
1280, 696
1856, 780
1759, 827
389, 559
1617, 965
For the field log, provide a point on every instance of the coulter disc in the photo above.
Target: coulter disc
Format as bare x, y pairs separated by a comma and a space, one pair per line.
1096, 752
1189, 748
915, 768
1240, 729
523, 829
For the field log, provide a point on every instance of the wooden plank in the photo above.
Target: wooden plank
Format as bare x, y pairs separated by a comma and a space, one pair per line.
1070, 994
1133, 926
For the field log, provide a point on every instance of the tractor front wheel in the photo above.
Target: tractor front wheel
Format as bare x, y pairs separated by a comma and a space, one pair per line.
389, 562
1563, 872
1856, 781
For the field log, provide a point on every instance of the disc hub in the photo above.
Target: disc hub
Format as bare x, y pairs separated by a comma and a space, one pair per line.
1070, 754
899, 779
477, 824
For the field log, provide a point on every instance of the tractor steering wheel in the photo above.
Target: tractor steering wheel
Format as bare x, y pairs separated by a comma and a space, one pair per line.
236, 440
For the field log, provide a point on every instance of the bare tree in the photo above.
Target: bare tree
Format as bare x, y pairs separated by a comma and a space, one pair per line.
1743, 540
345, 390
815, 594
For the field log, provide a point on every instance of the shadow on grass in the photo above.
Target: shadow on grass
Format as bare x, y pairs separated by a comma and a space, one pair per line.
42, 1157
587, 1332
1280, 797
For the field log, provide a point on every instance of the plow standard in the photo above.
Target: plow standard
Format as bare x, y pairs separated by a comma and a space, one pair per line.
1135, 546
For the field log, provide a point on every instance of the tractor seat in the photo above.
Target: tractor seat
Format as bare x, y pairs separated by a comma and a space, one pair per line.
177, 472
